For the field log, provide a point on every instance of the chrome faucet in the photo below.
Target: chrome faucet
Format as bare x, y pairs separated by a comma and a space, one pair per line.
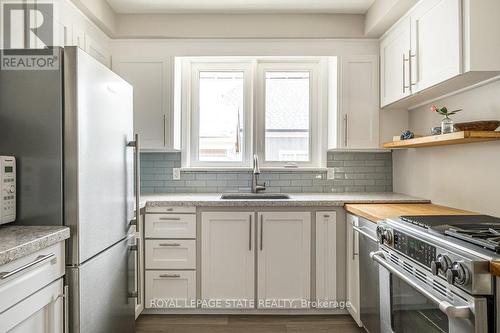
256, 187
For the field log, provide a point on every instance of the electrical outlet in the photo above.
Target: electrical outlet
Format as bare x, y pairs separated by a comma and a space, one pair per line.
330, 173
176, 173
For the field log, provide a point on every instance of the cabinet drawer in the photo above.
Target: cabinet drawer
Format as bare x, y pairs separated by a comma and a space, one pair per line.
170, 226
42, 267
171, 209
171, 254
170, 289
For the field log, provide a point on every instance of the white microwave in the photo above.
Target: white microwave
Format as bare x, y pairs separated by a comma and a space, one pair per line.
7, 189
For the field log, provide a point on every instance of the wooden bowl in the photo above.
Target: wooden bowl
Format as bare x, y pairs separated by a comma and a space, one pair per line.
484, 125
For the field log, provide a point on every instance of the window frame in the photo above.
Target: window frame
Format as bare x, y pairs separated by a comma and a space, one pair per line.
218, 66
288, 65
254, 107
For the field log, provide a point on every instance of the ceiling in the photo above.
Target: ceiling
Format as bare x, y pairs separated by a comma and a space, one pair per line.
240, 6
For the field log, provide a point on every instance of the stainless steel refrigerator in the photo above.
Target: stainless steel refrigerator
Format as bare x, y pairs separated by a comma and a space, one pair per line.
71, 130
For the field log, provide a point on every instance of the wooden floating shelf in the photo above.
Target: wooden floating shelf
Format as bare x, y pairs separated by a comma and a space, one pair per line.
445, 139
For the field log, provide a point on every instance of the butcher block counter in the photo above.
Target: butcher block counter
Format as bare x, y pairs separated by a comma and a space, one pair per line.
378, 212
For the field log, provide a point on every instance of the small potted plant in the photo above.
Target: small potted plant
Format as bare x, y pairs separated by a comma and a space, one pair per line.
447, 122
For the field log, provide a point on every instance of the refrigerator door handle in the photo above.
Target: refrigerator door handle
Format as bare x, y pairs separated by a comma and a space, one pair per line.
137, 294
137, 182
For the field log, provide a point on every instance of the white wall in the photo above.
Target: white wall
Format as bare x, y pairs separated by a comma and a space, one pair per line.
240, 26
462, 176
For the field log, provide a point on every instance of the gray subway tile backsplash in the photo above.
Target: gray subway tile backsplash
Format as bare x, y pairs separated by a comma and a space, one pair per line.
354, 172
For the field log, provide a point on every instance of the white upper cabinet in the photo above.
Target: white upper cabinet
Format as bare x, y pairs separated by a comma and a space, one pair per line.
284, 256
394, 66
147, 76
437, 48
435, 43
359, 104
228, 258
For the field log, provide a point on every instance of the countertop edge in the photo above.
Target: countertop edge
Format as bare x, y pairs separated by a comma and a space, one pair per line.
33, 245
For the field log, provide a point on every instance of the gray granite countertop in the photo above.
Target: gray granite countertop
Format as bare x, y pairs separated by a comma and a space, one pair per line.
296, 200
20, 241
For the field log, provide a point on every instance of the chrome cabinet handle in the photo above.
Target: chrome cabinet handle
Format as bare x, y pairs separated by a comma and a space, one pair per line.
447, 308
404, 73
164, 130
169, 244
170, 275
250, 233
39, 259
169, 218
345, 130
410, 56
66, 309
137, 181
261, 232
354, 254
365, 234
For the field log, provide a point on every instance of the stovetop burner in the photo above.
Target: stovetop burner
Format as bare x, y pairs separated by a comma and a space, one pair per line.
488, 238
481, 230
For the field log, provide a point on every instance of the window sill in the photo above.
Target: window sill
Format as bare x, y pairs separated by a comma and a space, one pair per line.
243, 169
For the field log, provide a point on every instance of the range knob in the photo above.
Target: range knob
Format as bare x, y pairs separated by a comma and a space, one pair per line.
384, 236
441, 264
458, 274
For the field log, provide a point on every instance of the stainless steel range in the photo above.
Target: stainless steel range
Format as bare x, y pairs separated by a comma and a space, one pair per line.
434, 274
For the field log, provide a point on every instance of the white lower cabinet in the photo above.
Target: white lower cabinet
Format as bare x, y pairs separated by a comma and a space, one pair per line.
228, 259
352, 268
41, 312
170, 259
326, 259
284, 256
170, 289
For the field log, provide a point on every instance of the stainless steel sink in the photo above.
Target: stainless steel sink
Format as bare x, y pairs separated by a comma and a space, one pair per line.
254, 196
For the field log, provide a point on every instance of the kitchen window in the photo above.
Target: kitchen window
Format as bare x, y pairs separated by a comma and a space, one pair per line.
238, 107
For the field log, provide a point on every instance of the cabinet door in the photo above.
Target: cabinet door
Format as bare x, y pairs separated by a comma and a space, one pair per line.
326, 259
98, 50
228, 258
352, 268
359, 102
149, 88
436, 42
394, 64
284, 271
41, 312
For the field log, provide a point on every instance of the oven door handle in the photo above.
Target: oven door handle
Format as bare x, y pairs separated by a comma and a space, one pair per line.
360, 231
447, 308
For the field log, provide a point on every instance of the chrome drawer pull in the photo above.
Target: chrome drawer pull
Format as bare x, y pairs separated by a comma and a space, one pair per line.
169, 244
39, 259
169, 218
170, 275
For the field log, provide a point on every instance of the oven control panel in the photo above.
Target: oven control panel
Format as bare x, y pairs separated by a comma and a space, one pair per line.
416, 249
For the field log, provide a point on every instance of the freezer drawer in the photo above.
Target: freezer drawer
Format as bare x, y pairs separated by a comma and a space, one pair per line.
100, 291
170, 226
171, 254
170, 289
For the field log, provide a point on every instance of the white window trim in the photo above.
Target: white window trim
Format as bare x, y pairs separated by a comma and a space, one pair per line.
192, 149
254, 103
314, 95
